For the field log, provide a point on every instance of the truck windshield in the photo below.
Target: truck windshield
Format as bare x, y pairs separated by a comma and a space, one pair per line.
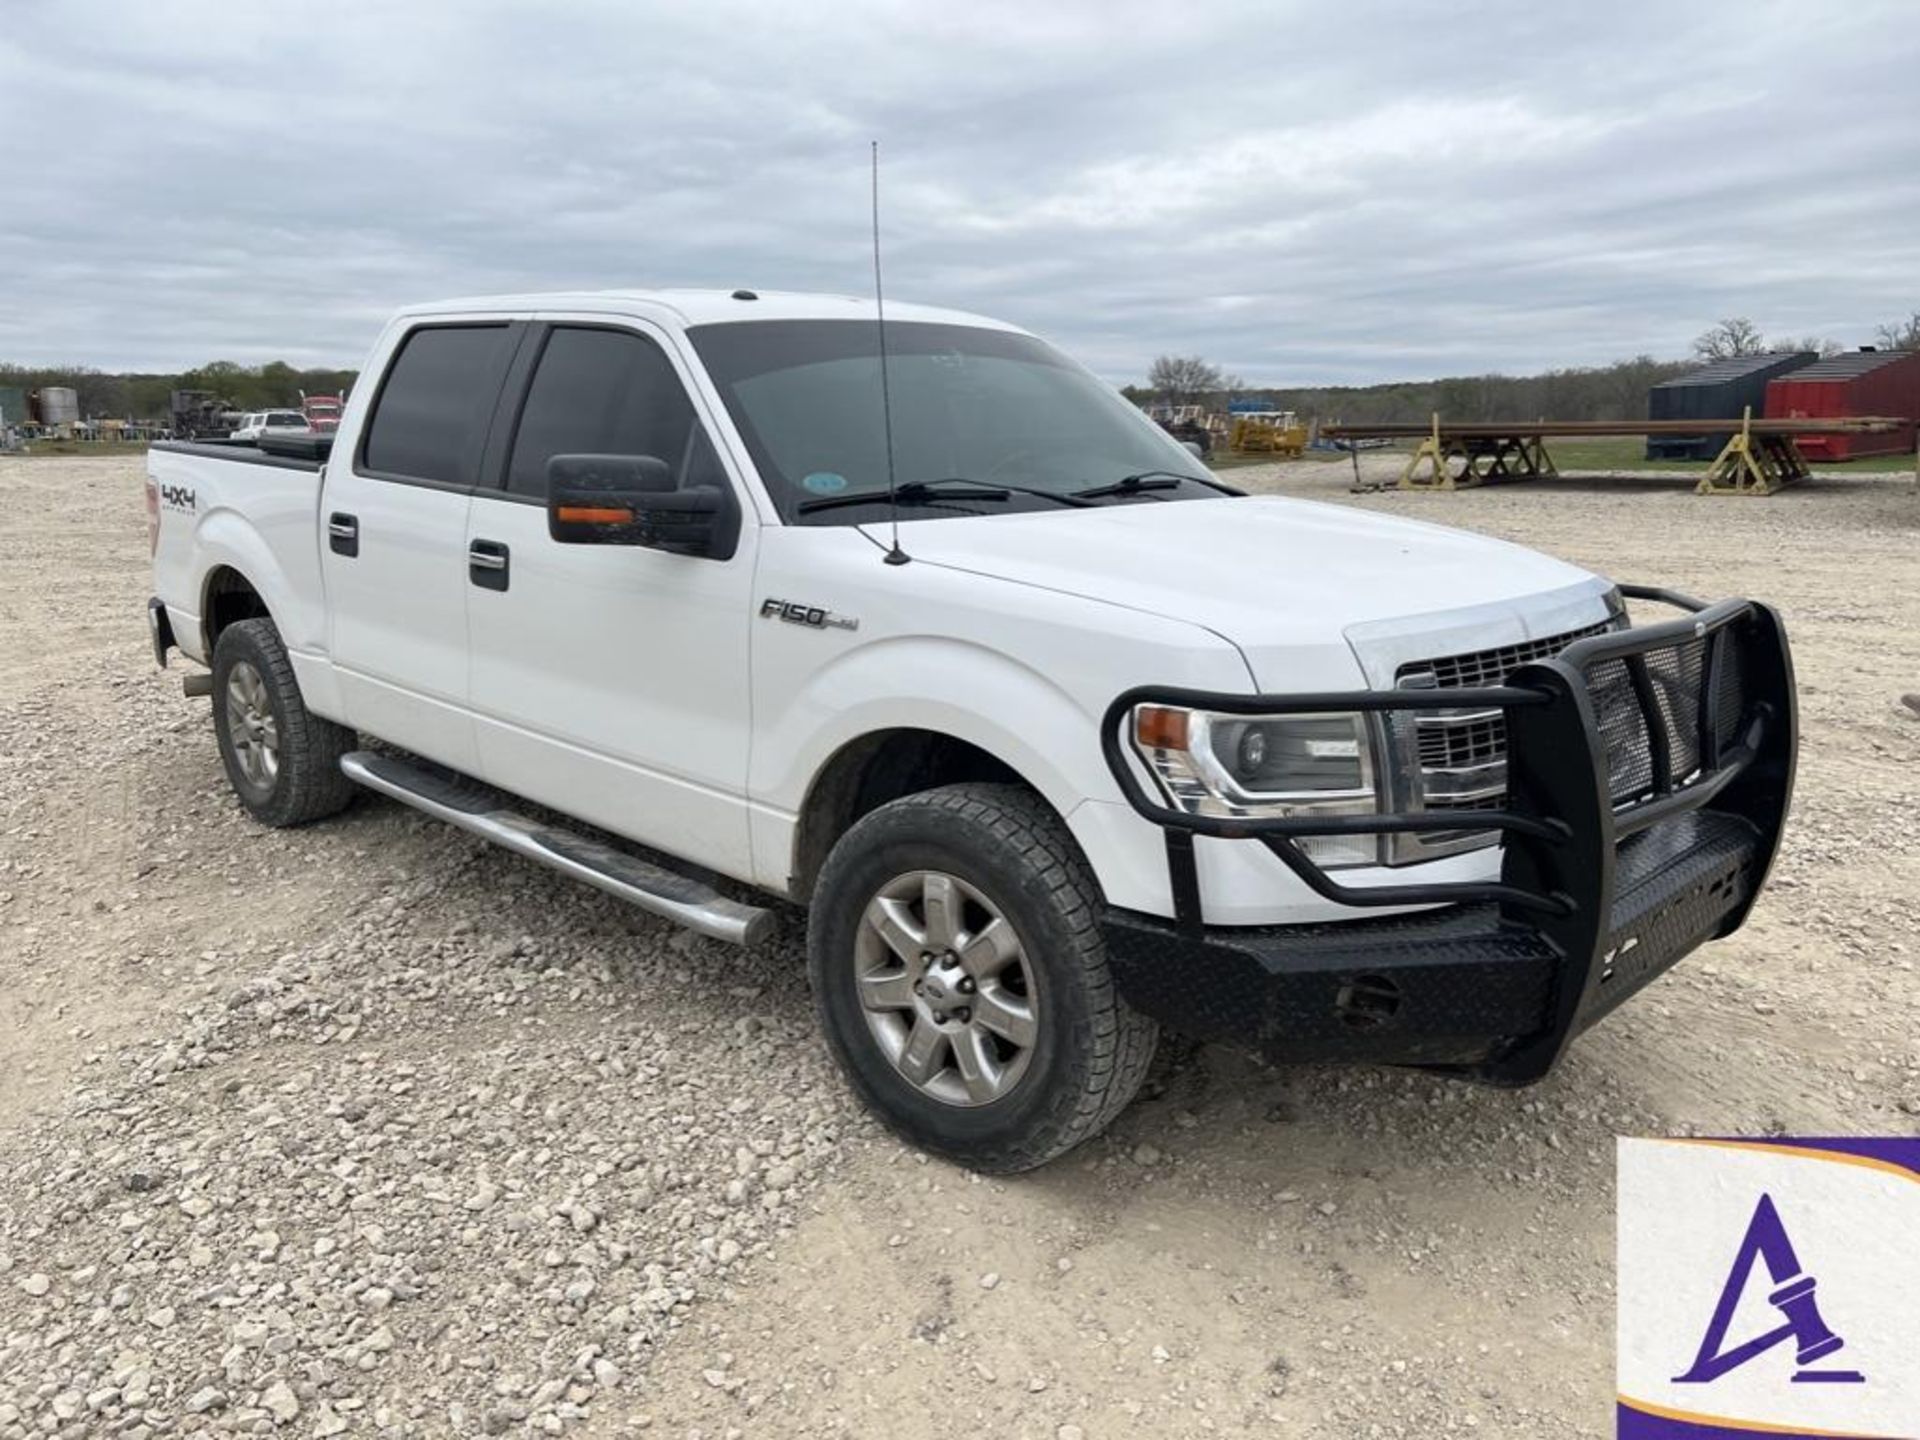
969, 404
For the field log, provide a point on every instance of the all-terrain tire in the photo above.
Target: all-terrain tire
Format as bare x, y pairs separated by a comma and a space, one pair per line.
1092, 1050
305, 782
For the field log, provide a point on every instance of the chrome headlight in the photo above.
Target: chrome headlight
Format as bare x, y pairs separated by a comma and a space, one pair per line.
1263, 767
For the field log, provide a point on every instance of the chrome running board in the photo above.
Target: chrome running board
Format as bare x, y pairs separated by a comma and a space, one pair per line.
482, 811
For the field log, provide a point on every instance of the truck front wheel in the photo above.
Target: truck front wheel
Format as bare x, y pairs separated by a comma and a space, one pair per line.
282, 760
961, 978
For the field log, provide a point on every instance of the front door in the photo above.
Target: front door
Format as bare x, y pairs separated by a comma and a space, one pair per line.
393, 532
610, 681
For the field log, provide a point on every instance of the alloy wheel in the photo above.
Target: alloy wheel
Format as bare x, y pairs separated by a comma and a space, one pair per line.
946, 988
252, 731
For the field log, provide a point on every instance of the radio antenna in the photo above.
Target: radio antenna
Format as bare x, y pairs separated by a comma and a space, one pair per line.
895, 556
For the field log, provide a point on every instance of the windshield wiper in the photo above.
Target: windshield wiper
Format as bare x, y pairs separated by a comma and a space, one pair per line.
1147, 481
927, 492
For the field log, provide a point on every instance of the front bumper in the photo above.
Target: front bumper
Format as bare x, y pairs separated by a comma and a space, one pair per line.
1649, 772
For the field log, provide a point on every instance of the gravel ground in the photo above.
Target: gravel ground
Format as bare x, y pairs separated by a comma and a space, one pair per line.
370, 1130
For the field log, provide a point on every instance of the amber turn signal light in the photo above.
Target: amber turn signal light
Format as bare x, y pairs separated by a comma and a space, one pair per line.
1157, 727
594, 515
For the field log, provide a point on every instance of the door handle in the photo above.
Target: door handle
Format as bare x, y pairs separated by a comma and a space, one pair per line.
343, 534
487, 564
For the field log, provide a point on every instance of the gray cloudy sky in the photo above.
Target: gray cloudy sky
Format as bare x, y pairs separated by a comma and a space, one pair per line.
1301, 193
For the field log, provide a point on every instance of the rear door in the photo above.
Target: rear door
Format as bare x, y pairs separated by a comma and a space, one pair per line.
610, 681
393, 535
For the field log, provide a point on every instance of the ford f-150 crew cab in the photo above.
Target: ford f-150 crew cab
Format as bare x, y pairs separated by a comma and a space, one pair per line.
1064, 741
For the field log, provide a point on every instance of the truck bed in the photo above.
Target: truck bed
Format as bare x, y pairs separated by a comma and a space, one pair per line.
256, 511
298, 452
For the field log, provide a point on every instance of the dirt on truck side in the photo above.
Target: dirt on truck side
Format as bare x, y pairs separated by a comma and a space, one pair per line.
369, 1129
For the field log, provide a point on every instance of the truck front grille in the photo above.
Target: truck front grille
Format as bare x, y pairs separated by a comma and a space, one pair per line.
1456, 760
1478, 739
1491, 667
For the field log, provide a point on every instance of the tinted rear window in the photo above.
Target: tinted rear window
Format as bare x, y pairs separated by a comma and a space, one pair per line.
435, 405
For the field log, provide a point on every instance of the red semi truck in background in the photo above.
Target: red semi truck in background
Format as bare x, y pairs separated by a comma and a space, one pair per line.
322, 412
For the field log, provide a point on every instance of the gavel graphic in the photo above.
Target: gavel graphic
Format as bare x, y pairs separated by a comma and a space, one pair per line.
1793, 1296
1795, 1302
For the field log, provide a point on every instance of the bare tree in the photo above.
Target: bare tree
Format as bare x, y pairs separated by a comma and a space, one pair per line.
1736, 335
1183, 379
1821, 347
1901, 334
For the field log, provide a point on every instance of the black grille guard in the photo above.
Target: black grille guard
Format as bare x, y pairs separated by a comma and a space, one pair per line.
1561, 825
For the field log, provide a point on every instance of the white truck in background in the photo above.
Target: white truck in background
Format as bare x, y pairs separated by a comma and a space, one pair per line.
1055, 737
260, 423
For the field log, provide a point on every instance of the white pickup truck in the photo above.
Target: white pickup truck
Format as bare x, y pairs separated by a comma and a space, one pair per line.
1056, 737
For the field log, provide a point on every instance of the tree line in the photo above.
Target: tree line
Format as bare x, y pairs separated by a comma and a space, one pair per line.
1607, 392
1600, 392
142, 396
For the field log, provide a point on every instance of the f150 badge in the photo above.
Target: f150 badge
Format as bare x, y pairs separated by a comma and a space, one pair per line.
812, 616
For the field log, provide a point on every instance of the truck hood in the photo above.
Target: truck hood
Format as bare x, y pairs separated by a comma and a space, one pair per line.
1306, 591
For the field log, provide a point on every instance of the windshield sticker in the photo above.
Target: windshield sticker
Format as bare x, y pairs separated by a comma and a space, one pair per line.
824, 482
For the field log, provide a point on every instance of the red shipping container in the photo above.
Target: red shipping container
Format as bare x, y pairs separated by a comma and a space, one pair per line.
1861, 382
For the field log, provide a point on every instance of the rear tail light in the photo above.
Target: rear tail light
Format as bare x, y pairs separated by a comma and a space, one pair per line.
153, 517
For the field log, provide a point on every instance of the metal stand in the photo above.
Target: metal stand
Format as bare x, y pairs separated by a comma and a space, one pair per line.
1484, 460
1754, 464
1762, 458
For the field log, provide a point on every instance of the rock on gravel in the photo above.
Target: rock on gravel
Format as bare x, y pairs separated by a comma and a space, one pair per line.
280, 1402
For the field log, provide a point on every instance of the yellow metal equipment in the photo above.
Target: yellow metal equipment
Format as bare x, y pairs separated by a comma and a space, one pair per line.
1273, 433
1754, 464
1483, 459
1761, 458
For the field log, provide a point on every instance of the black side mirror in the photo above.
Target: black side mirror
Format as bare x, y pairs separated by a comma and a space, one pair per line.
632, 500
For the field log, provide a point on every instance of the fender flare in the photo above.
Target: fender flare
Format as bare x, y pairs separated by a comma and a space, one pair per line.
903, 684
225, 540
1034, 727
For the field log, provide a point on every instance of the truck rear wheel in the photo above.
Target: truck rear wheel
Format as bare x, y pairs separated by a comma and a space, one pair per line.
961, 978
282, 760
